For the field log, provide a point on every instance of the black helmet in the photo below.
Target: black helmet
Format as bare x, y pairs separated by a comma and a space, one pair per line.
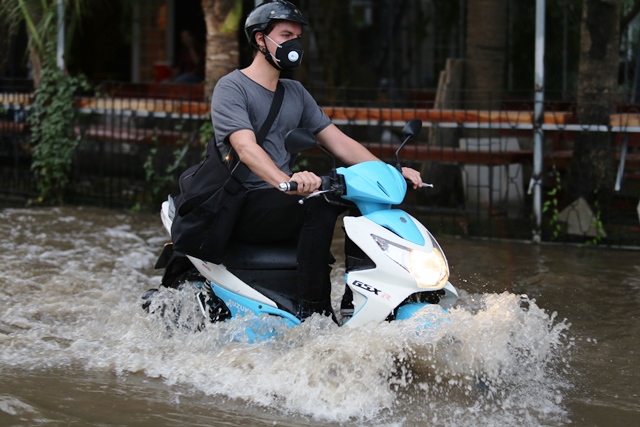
261, 15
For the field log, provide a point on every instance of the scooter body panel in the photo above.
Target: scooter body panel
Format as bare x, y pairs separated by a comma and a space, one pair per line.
240, 306
400, 223
373, 186
385, 286
218, 275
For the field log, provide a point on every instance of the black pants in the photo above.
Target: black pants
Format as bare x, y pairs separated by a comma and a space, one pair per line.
271, 215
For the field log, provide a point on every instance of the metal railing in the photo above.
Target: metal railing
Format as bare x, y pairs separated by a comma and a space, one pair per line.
131, 150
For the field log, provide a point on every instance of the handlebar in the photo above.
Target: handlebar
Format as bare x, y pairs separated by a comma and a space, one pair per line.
293, 186
326, 185
288, 186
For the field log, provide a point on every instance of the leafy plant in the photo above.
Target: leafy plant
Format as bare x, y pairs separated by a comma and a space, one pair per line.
551, 206
160, 182
51, 119
52, 114
597, 223
206, 131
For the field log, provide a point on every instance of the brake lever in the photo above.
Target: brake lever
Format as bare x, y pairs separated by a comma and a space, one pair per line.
316, 194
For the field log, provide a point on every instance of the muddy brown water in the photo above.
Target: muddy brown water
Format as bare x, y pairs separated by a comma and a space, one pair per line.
542, 335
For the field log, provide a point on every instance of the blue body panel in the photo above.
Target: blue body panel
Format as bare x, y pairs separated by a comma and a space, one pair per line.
373, 186
260, 330
408, 311
398, 222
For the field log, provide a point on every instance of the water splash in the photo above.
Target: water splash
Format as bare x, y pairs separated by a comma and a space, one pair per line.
499, 361
495, 359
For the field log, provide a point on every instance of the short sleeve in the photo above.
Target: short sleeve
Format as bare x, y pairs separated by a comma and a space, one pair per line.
313, 116
229, 110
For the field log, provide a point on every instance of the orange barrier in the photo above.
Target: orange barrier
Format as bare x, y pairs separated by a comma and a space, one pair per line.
343, 114
9, 126
561, 159
443, 116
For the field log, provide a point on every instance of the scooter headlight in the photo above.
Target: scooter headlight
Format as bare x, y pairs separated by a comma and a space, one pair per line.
430, 269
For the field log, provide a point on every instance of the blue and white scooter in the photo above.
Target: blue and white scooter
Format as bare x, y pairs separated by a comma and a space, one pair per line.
394, 265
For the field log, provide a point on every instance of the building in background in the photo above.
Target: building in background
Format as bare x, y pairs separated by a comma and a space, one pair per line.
133, 41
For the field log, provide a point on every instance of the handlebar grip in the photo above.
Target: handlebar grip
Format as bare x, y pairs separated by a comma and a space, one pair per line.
288, 186
293, 186
326, 182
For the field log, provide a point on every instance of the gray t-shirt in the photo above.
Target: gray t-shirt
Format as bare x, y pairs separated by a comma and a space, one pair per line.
240, 103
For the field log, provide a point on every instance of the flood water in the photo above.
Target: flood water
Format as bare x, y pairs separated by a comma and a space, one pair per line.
541, 336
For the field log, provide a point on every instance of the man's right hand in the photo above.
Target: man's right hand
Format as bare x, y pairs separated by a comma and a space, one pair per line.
308, 182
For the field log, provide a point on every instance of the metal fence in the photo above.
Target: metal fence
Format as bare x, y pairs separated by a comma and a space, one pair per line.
131, 150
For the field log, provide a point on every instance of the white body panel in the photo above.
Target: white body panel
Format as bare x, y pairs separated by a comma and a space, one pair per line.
380, 290
218, 274
215, 273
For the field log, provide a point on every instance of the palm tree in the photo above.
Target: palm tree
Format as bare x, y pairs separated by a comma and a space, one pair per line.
222, 18
41, 19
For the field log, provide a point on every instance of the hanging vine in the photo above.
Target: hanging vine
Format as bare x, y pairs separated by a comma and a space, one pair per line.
52, 134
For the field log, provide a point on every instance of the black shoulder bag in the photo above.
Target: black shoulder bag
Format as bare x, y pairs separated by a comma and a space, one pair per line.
211, 197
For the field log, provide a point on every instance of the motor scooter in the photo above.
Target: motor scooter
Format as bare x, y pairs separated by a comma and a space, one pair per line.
394, 267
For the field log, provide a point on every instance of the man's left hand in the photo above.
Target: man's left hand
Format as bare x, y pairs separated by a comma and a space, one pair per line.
413, 176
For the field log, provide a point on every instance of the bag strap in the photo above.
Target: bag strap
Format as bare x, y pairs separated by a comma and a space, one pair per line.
273, 112
240, 171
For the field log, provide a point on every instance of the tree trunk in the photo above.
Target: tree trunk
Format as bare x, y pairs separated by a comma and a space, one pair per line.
36, 65
591, 174
486, 50
222, 18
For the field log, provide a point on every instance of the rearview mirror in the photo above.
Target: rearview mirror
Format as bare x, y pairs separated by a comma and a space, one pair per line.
412, 128
298, 140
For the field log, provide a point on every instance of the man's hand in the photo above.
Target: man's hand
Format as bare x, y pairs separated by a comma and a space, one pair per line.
413, 176
308, 182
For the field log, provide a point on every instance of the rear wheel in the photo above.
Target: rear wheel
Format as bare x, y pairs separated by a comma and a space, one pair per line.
180, 274
212, 307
